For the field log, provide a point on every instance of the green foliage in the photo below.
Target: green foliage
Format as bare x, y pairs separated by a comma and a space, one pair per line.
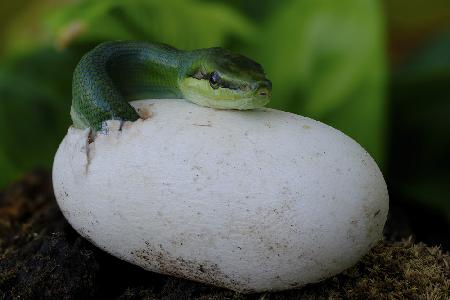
183, 24
325, 59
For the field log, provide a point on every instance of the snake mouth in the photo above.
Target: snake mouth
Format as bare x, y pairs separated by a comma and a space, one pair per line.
200, 92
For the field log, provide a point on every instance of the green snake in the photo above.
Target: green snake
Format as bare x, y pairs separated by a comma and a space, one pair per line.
113, 73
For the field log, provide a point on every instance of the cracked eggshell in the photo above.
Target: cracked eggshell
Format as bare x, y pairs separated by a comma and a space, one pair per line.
253, 201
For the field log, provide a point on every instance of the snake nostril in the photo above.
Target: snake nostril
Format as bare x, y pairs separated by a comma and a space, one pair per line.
263, 92
264, 88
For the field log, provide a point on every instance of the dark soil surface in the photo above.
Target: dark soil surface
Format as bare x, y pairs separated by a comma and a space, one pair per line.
41, 256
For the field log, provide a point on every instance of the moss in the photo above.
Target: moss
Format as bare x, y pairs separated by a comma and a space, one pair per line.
399, 270
42, 257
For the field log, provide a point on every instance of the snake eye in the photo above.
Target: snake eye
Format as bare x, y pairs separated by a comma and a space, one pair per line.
214, 80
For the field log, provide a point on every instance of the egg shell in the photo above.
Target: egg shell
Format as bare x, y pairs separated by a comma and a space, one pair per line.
254, 201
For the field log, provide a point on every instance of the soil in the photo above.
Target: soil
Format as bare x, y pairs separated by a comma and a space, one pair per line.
41, 256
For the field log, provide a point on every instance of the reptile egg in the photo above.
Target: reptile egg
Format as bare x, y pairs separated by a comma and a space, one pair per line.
254, 201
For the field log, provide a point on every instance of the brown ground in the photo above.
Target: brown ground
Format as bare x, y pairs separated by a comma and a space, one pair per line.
41, 256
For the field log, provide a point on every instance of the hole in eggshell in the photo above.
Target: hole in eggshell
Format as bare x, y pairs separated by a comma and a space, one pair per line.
91, 137
143, 112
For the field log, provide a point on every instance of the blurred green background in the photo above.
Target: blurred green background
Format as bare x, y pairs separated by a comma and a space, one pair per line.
378, 71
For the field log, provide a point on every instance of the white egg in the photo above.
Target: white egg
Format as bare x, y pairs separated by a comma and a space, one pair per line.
254, 201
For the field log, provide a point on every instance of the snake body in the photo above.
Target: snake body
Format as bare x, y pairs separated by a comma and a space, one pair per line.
113, 73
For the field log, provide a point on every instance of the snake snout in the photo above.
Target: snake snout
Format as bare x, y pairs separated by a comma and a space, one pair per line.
264, 89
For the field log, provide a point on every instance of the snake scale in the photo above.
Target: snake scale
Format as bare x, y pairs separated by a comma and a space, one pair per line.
113, 73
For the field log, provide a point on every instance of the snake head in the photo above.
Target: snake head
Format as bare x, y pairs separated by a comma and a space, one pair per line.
222, 79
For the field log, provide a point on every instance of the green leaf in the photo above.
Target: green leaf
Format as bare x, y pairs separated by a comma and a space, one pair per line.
326, 61
184, 24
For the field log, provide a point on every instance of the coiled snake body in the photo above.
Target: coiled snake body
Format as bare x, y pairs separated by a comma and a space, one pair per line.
114, 73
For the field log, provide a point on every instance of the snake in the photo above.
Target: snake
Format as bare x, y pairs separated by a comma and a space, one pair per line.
114, 73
